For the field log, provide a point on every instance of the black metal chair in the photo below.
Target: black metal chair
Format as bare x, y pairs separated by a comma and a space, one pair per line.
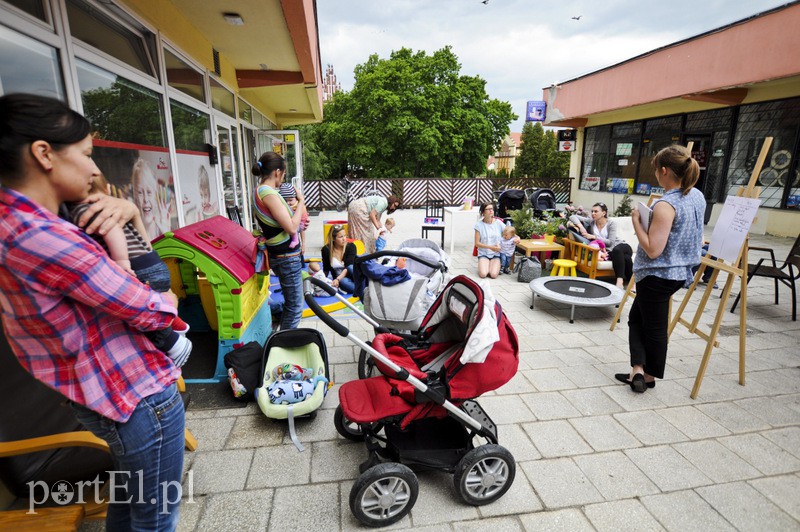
787, 273
434, 218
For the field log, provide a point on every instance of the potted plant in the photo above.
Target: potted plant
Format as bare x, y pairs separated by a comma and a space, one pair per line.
522, 220
555, 226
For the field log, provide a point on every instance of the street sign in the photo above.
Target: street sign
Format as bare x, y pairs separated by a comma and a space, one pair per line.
567, 134
536, 111
566, 145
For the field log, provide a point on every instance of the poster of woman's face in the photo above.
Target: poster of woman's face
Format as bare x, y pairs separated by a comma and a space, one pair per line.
200, 192
143, 176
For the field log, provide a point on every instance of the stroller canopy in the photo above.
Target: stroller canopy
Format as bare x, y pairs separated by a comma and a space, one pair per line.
510, 200
543, 199
489, 355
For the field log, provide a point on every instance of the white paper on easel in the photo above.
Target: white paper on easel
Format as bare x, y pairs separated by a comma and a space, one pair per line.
732, 227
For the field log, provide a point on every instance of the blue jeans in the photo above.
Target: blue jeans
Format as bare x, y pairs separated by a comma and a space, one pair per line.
505, 261
153, 271
347, 284
289, 272
147, 450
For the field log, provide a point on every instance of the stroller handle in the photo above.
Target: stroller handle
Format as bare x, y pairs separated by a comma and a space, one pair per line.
390, 253
338, 328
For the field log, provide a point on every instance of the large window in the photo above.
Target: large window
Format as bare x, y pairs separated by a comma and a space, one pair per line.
595, 157
130, 144
119, 109
658, 133
222, 99
27, 65
200, 195
95, 28
181, 76
32, 7
779, 176
625, 140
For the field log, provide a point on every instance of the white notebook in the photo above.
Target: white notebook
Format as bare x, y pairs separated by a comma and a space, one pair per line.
645, 215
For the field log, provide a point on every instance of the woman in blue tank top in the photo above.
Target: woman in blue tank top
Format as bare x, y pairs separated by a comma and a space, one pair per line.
667, 252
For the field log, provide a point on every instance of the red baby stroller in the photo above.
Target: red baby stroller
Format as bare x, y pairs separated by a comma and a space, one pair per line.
420, 412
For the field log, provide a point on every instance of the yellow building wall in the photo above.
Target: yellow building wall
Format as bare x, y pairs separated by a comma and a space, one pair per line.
175, 28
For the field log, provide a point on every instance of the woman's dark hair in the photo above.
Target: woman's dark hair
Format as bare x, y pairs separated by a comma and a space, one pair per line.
602, 207
394, 199
679, 160
268, 163
484, 205
26, 118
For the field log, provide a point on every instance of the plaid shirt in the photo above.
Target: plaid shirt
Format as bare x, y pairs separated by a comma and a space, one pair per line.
71, 314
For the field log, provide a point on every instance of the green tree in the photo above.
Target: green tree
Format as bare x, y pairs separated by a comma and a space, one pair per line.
540, 156
315, 163
413, 115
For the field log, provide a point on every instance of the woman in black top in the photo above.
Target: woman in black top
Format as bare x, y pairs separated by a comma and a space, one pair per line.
338, 258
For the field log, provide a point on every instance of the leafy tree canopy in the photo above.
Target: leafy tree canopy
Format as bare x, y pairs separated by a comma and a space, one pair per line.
540, 156
412, 115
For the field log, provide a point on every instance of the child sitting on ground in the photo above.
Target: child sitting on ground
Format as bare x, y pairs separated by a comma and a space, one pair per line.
289, 194
380, 242
507, 246
129, 246
315, 271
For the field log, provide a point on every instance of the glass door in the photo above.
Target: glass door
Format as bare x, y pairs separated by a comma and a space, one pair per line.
286, 143
229, 167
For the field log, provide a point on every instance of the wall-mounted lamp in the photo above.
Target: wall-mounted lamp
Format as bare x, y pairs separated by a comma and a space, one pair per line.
234, 19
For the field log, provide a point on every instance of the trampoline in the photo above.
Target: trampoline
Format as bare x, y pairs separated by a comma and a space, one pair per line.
576, 292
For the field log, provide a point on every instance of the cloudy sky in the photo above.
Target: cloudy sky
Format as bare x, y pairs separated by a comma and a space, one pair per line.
517, 46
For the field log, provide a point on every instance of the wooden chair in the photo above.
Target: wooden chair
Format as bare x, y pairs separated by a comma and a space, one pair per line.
787, 273
434, 210
587, 259
41, 440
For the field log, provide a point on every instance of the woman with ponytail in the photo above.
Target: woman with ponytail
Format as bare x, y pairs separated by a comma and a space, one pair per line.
278, 222
667, 252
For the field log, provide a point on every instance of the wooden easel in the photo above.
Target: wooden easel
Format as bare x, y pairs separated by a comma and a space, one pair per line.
736, 269
630, 290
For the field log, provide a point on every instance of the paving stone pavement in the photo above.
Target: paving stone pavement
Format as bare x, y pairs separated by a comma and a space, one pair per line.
591, 454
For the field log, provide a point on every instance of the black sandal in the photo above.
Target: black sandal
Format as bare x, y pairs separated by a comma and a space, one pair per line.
623, 377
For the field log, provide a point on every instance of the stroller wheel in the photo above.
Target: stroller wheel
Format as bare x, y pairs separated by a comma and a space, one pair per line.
366, 366
484, 474
384, 494
345, 427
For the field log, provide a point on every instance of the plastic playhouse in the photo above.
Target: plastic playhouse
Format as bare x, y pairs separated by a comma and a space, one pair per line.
211, 266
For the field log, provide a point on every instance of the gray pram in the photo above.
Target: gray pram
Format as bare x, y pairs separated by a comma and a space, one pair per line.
402, 306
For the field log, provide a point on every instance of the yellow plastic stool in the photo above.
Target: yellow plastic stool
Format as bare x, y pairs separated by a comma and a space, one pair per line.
564, 267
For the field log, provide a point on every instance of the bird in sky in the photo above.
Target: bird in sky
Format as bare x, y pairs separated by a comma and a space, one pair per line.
484, 2
573, 18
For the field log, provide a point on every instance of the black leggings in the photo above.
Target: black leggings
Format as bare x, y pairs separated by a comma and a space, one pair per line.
622, 260
648, 323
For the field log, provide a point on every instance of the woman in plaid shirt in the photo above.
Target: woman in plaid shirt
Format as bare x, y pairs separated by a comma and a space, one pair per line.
75, 319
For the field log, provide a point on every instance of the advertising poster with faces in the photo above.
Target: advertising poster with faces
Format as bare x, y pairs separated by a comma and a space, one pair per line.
141, 174
199, 188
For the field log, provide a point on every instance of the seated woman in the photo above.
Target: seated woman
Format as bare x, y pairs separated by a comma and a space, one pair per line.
488, 234
605, 230
338, 258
